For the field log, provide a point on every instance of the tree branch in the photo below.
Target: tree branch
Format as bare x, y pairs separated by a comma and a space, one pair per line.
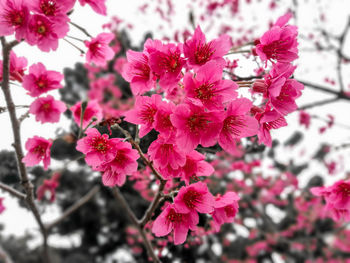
121, 200
27, 185
82, 201
12, 191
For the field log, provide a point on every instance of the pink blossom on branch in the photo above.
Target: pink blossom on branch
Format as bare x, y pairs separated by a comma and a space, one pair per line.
226, 208
14, 16
166, 62
138, 72
196, 126
17, 67
49, 186
199, 52
237, 124
92, 109
47, 109
171, 220
279, 43
337, 199
124, 162
97, 148
164, 152
208, 86
99, 6
144, 112
194, 197
38, 150
44, 32
39, 80
99, 51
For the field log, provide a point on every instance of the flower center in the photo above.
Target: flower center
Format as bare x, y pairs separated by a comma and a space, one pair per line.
230, 210
100, 144
232, 123
191, 198
203, 53
48, 7
147, 114
205, 91
197, 123
174, 217
15, 18
39, 150
345, 189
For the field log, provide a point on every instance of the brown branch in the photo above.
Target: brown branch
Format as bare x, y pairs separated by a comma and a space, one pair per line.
153, 206
82, 201
318, 103
342, 39
80, 28
12, 191
121, 200
340, 95
27, 185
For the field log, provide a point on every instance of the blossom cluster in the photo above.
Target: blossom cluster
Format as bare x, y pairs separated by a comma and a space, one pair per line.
40, 22
182, 94
337, 199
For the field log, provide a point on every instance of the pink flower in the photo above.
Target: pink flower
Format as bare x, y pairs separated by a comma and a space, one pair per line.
99, 6
17, 67
226, 208
49, 186
54, 10
164, 152
270, 119
2, 207
208, 86
337, 199
194, 197
195, 126
279, 89
237, 124
99, 51
166, 62
171, 220
304, 119
194, 167
199, 52
92, 109
143, 113
38, 150
162, 122
97, 148
44, 32
279, 43
47, 109
39, 80
124, 162
14, 15
138, 72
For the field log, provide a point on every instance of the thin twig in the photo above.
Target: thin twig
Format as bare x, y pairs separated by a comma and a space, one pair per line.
80, 28
318, 103
340, 95
12, 191
121, 200
153, 206
82, 201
